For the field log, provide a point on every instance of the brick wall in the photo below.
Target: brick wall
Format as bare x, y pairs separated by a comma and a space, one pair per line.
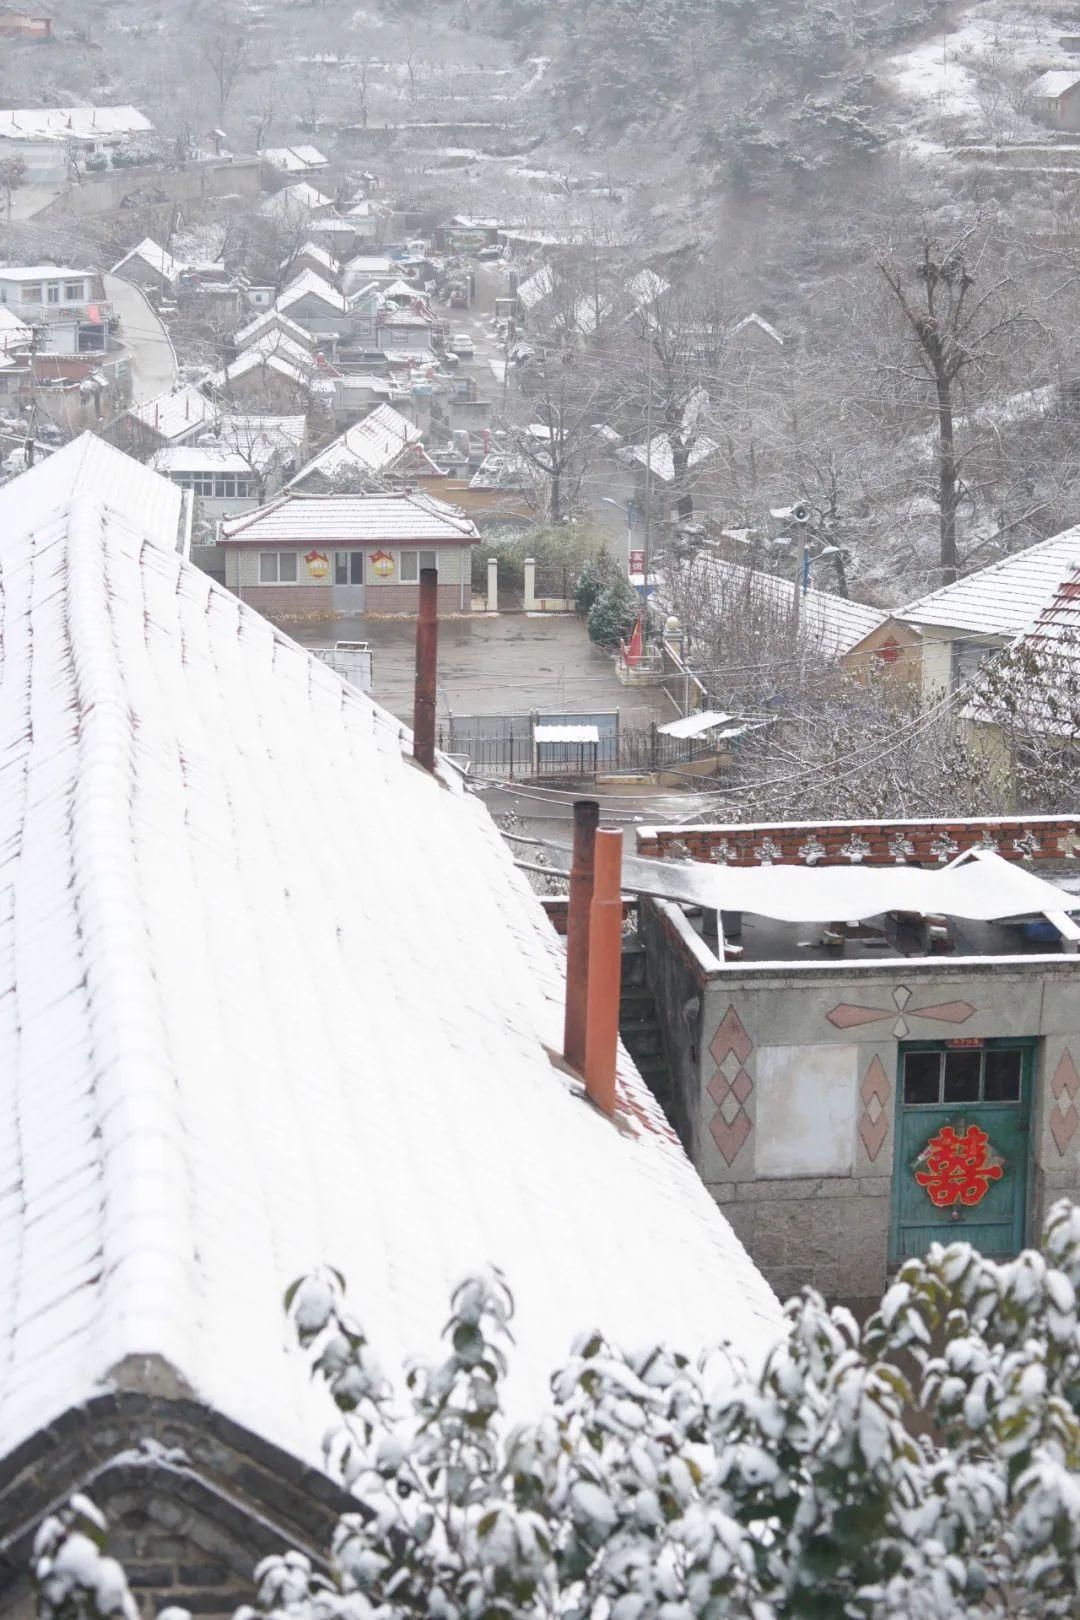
192, 1500
274, 600
406, 599
868, 843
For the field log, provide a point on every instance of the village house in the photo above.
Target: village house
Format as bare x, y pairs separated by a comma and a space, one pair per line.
940, 641
150, 266
267, 325
68, 304
357, 393
24, 25
315, 304
311, 257
1055, 98
326, 554
294, 205
369, 270
834, 999
244, 1048
295, 160
379, 447
273, 375
168, 419
52, 141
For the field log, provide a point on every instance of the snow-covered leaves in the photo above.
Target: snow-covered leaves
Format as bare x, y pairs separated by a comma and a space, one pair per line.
924, 1468
73, 1576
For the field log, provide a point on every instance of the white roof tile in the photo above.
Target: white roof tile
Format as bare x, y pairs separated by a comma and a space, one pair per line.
385, 518
1005, 597
177, 415
230, 1049
310, 283
80, 122
88, 467
151, 253
371, 446
273, 320
1055, 82
835, 622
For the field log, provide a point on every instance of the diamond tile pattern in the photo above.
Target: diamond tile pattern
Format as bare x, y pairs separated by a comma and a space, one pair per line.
875, 1094
731, 1086
1064, 1086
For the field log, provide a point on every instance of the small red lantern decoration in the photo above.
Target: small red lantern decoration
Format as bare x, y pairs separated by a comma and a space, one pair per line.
959, 1169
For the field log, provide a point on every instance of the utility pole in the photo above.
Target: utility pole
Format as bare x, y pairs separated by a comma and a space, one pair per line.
648, 477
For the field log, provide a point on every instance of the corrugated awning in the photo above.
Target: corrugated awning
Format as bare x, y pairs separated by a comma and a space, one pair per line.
694, 725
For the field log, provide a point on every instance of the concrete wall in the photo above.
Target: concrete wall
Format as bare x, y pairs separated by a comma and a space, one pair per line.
102, 193
787, 1101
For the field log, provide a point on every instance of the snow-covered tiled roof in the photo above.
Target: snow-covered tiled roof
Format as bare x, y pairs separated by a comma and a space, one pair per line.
188, 458
78, 122
300, 198
1055, 83
1004, 598
294, 159
371, 446
177, 415
276, 350
13, 334
273, 320
401, 516
231, 1048
289, 432
89, 468
311, 250
835, 623
310, 283
152, 254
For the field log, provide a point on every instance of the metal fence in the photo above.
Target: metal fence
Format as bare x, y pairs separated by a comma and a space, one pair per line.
503, 745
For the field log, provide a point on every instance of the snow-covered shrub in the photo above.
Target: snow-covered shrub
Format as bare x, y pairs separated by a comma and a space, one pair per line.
926, 1467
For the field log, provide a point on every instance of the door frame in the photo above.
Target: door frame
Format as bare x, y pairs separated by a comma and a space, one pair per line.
1031, 1047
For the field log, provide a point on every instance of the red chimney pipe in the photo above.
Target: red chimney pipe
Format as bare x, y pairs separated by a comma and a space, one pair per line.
427, 664
586, 820
605, 971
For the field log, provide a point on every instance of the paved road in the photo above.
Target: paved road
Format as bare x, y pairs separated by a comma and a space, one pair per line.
153, 363
496, 664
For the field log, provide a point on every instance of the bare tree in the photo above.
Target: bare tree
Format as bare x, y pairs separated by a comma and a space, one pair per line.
955, 329
227, 54
13, 173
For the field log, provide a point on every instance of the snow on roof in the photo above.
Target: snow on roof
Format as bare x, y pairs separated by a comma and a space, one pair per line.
372, 264
230, 1056
1004, 598
177, 415
662, 456
1051, 85
297, 199
270, 321
387, 518
762, 325
536, 287
190, 458
835, 623
310, 284
155, 256
79, 122
13, 334
88, 468
294, 159
502, 469
372, 445
39, 272
275, 352
240, 428
694, 725
311, 250
982, 887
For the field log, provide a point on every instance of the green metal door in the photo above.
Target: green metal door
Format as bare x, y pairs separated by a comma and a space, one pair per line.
963, 1144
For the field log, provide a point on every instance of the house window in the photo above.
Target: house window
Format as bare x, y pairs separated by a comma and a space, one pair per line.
202, 483
949, 1075
228, 487
277, 567
73, 292
967, 657
52, 292
31, 293
413, 561
348, 567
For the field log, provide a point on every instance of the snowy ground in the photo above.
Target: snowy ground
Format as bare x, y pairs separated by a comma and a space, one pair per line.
970, 82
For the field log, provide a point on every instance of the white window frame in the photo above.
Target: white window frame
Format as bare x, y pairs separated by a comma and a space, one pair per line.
416, 565
74, 292
277, 557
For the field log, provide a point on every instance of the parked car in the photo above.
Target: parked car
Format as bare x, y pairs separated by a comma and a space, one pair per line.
462, 345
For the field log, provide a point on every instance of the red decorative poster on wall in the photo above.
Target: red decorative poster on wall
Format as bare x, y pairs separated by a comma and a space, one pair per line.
959, 1169
382, 564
